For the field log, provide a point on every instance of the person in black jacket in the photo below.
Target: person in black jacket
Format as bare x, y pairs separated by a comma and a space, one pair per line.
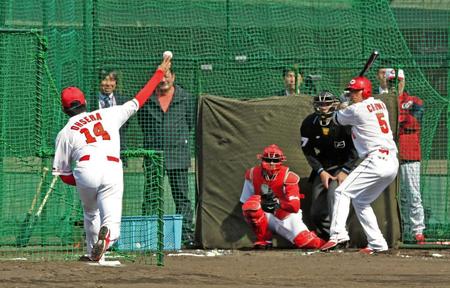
166, 122
329, 150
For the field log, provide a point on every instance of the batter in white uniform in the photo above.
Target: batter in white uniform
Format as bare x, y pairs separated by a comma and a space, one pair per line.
372, 137
91, 142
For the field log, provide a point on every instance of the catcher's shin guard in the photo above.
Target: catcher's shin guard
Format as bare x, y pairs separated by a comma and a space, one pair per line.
308, 240
256, 217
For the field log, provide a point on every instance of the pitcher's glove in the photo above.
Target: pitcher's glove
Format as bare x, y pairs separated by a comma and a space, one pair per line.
269, 203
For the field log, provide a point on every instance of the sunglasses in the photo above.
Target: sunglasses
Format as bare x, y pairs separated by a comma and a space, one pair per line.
271, 160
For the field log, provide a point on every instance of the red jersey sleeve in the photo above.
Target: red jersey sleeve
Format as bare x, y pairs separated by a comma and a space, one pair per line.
291, 201
68, 179
145, 93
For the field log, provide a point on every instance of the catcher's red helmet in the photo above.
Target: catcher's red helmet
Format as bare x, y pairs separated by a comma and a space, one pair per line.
71, 94
361, 83
271, 159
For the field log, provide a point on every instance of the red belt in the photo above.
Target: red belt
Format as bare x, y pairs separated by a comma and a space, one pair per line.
385, 151
109, 158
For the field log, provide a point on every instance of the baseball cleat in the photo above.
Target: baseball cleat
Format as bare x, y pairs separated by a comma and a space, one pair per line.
85, 258
343, 244
262, 245
102, 244
420, 239
329, 245
370, 251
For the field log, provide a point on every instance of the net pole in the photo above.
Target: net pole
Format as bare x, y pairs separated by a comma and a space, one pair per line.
446, 221
2, 125
40, 58
228, 27
160, 166
89, 10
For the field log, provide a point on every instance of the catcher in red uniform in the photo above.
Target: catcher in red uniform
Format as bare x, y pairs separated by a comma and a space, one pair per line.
271, 202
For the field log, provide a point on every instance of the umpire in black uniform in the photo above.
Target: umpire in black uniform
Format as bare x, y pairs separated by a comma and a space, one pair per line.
329, 150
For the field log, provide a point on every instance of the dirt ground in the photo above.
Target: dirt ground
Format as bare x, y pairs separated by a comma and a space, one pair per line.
273, 268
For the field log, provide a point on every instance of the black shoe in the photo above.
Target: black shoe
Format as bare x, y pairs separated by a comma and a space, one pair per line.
190, 245
343, 245
85, 258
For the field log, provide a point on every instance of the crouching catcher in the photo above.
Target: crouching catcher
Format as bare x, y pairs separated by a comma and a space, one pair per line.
271, 202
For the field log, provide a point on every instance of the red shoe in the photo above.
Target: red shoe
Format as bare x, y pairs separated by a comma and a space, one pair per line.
370, 251
262, 245
367, 251
102, 244
332, 244
420, 239
329, 245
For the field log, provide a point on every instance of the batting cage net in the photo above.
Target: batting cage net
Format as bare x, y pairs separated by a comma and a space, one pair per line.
234, 49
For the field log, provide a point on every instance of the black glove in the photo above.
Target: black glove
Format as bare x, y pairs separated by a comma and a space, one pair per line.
269, 203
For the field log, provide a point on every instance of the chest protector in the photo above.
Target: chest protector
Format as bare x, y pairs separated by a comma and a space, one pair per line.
255, 175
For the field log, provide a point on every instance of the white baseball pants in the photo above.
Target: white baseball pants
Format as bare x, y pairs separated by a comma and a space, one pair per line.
363, 186
289, 227
100, 185
410, 198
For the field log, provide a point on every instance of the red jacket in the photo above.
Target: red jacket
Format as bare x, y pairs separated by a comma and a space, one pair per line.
410, 115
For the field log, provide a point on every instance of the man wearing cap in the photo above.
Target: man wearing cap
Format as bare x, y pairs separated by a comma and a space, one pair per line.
90, 142
409, 120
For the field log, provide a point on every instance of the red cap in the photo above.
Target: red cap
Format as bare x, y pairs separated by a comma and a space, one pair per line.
71, 94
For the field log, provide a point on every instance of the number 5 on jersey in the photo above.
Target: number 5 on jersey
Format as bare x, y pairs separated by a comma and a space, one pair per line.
98, 131
383, 124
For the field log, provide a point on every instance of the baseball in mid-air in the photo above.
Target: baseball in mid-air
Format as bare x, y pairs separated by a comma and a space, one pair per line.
168, 54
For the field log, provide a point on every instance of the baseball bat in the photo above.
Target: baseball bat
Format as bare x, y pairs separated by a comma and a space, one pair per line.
49, 191
21, 239
343, 98
369, 62
28, 229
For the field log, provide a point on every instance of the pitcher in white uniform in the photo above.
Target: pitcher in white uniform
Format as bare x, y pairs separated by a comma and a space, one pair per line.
91, 141
373, 140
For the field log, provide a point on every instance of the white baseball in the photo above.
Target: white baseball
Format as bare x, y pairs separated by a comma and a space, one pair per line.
168, 54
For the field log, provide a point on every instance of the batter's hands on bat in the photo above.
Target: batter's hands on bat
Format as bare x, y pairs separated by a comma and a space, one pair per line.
326, 178
165, 64
341, 177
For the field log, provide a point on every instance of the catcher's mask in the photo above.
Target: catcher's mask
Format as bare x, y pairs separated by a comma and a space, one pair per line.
271, 160
325, 103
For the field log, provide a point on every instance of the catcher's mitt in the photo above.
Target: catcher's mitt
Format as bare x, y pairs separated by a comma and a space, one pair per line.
269, 203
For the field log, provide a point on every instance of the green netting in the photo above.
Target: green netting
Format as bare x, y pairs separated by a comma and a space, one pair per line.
46, 220
228, 48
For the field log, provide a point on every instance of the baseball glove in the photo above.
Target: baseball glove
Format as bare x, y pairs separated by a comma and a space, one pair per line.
269, 203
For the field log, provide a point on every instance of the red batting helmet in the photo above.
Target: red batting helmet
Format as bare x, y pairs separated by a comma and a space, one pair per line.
361, 83
70, 95
271, 159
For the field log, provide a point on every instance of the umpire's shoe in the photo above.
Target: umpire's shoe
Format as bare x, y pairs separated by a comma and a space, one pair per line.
102, 244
